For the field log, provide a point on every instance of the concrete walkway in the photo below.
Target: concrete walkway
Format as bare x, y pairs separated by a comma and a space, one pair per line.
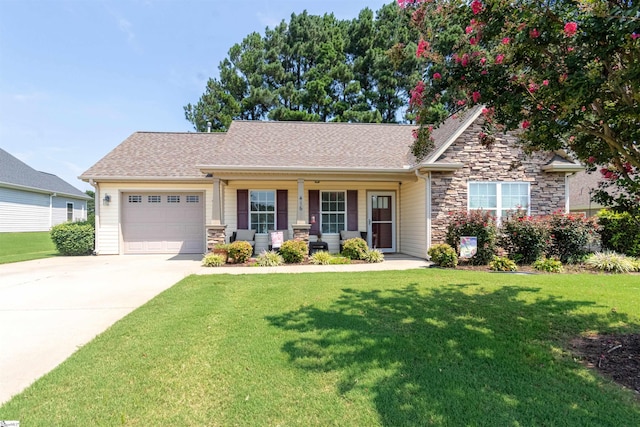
51, 307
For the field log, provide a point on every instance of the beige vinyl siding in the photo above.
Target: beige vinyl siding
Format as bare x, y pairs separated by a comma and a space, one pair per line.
230, 218
108, 229
413, 232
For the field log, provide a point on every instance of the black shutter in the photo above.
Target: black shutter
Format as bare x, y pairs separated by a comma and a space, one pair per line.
352, 210
314, 211
242, 209
282, 215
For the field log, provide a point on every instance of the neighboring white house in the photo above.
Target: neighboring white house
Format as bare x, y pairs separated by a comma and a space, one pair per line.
36, 201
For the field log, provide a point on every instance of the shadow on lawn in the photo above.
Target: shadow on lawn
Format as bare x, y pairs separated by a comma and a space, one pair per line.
453, 357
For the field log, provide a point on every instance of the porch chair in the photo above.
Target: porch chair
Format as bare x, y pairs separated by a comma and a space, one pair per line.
346, 235
277, 238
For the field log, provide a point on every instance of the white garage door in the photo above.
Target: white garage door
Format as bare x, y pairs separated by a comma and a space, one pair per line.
163, 223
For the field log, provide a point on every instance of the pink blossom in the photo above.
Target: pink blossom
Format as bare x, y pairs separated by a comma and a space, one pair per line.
416, 94
483, 60
469, 29
499, 58
461, 102
475, 96
591, 159
532, 87
525, 124
635, 36
506, 40
465, 60
423, 46
476, 7
545, 83
570, 29
484, 72
473, 41
437, 76
534, 34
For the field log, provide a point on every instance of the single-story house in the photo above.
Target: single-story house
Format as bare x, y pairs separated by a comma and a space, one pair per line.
185, 192
31, 200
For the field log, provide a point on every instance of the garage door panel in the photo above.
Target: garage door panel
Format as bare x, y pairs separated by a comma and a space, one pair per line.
163, 223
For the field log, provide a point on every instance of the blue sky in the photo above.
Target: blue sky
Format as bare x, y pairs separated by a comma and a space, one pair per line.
78, 77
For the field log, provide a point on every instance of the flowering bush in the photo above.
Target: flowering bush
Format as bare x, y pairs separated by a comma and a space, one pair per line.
355, 248
569, 235
476, 223
524, 238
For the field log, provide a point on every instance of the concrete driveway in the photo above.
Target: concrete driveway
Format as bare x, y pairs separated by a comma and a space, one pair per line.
51, 307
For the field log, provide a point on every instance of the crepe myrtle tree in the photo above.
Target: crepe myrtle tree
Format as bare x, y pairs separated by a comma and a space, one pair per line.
562, 74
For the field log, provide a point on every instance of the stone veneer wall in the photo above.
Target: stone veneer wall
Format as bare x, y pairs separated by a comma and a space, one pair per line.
215, 235
504, 161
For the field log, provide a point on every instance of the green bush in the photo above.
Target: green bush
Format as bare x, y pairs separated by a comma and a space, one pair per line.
523, 237
355, 248
569, 235
240, 251
321, 258
619, 232
269, 259
339, 260
499, 263
214, 260
550, 265
294, 251
610, 262
73, 238
443, 255
636, 264
476, 223
373, 256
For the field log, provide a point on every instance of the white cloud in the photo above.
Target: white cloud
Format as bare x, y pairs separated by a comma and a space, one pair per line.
127, 28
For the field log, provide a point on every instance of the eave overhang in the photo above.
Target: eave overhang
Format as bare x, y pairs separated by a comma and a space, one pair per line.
43, 191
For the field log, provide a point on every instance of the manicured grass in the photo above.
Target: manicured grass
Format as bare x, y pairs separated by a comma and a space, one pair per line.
398, 348
15, 247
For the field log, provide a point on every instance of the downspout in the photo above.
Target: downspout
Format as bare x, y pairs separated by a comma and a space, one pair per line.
51, 196
567, 198
427, 181
96, 213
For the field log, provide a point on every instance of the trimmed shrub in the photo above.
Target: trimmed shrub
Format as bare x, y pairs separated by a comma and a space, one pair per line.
321, 258
610, 262
619, 232
214, 260
355, 248
73, 238
373, 256
476, 223
269, 259
502, 263
443, 255
636, 264
240, 251
569, 235
524, 238
550, 265
293, 251
339, 260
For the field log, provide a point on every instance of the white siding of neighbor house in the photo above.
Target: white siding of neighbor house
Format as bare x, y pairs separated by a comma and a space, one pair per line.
108, 229
230, 219
22, 211
413, 230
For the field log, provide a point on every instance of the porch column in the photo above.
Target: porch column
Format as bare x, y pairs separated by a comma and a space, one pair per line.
300, 217
216, 211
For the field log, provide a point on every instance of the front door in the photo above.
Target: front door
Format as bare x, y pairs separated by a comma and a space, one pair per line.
381, 214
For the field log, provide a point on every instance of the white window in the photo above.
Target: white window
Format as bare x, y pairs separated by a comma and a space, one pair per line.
193, 199
135, 199
333, 211
262, 210
153, 199
173, 199
499, 198
69, 211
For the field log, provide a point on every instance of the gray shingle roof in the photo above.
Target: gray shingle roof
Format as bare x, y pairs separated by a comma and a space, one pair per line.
312, 145
18, 173
157, 155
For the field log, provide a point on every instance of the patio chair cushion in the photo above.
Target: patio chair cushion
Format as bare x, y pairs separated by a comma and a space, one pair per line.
346, 235
247, 235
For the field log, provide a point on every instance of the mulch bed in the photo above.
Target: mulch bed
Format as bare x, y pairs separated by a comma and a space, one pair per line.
615, 356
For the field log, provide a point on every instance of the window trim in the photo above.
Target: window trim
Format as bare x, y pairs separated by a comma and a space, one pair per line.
274, 212
72, 210
345, 212
498, 207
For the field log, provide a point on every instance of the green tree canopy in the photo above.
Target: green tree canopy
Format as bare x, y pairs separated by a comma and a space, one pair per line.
315, 68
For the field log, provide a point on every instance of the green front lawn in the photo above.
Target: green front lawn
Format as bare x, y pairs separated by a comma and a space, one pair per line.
397, 348
16, 247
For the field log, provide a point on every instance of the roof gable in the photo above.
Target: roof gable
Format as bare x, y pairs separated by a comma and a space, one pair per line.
17, 173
